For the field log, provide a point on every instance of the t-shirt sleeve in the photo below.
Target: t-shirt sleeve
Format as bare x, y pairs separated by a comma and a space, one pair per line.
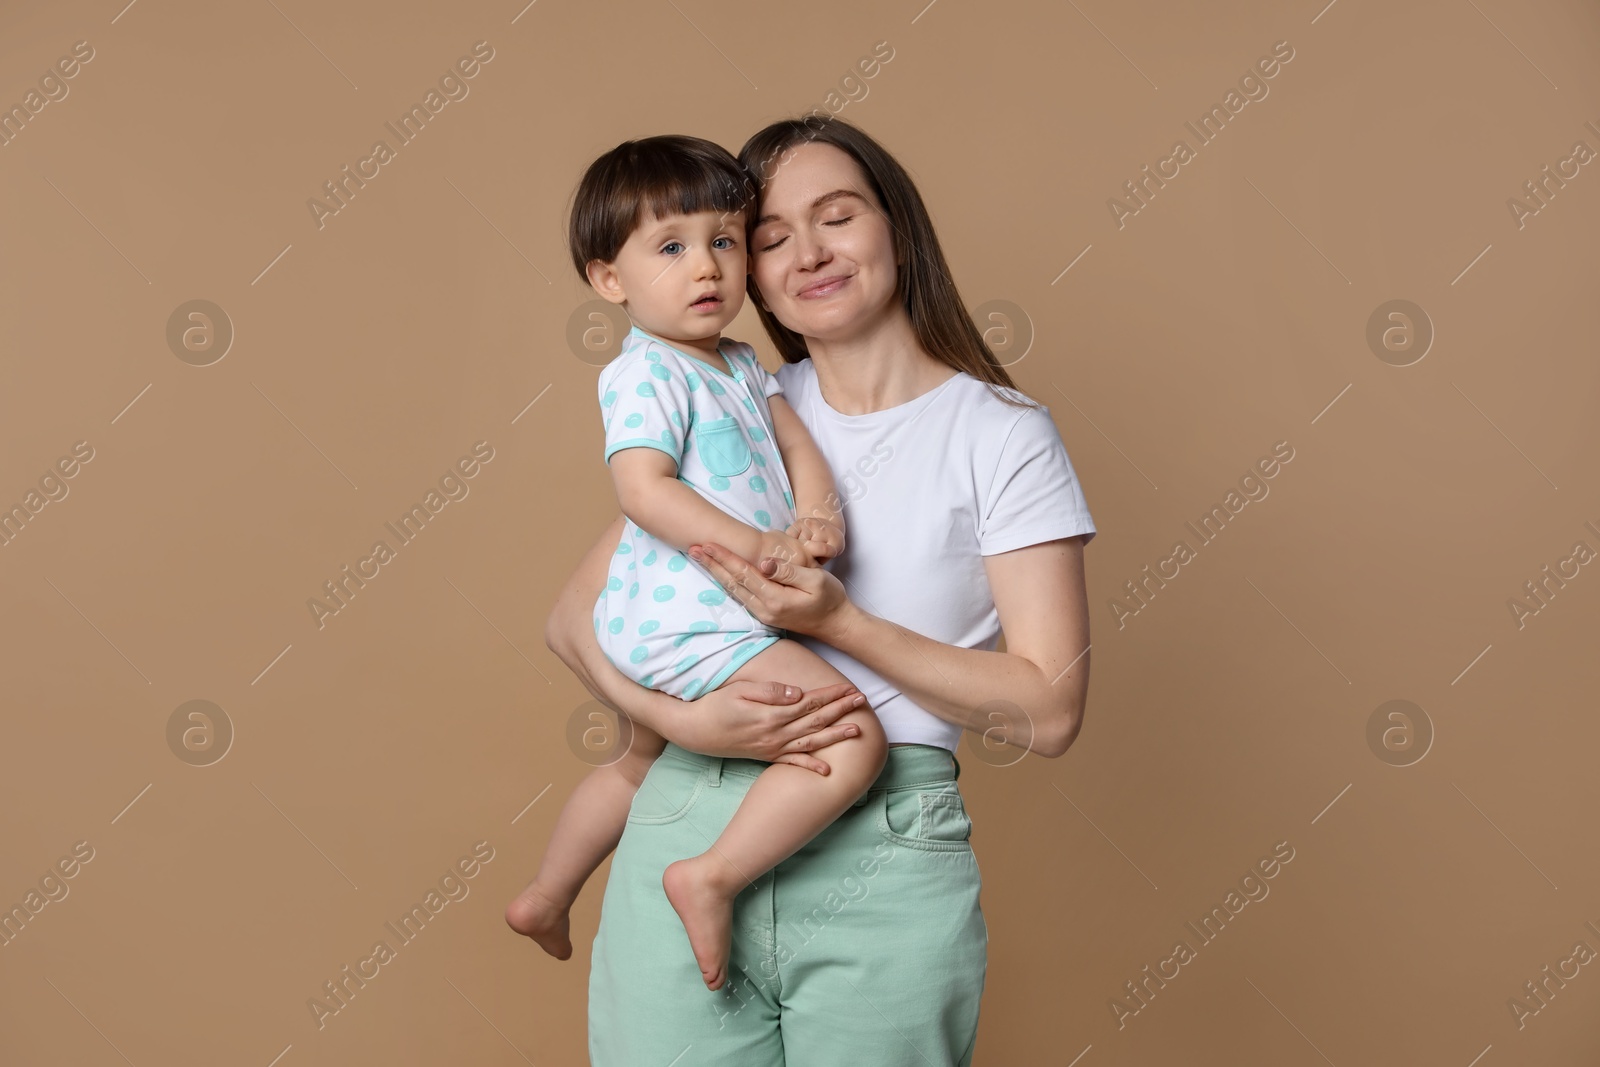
765, 379
644, 404
1035, 495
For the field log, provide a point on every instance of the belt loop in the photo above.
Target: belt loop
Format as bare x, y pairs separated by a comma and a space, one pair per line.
957, 763
714, 771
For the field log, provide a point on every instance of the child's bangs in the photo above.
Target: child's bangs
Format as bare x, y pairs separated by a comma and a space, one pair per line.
679, 190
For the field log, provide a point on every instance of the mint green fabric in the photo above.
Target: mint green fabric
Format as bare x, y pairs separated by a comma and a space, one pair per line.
867, 946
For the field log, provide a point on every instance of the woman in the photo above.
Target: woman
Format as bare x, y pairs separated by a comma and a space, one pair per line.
964, 517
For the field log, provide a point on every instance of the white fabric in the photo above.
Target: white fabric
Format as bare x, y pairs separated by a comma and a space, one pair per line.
662, 619
930, 487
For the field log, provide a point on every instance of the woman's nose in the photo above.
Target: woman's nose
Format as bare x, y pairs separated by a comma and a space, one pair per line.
809, 251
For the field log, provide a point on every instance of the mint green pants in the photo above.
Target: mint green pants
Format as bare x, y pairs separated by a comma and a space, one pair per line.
866, 946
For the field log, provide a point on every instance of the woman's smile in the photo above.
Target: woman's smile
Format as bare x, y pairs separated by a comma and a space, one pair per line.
823, 287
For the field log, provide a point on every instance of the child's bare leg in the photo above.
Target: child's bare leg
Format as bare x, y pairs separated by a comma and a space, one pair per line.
785, 807
588, 828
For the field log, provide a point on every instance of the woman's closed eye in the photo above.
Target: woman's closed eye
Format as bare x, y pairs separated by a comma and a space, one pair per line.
830, 222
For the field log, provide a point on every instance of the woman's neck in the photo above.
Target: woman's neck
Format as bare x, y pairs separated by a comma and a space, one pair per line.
881, 367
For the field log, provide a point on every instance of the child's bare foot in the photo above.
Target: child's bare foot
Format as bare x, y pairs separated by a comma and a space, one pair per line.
706, 909
537, 916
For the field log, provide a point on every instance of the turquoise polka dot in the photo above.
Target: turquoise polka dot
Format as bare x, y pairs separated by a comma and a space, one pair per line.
718, 482
702, 626
615, 626
757, 433
677, 642
715, 387
633, 590
749, 405
669, 440
650, 558
645, 389
677, 420
711, 597
788, 498
758, 484
734, 636
609, 399
692, 690
745, 651
677, 562
638, 532
597, 624
624, 548
694, 381
653, 356
647, 680
763, 519
614, 584
664, 593
638, 654
649, 626
658, 371
686, 662
633, 566
761, 461
633, 421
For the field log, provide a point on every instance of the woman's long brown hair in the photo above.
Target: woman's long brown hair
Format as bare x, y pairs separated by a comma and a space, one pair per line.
926, 288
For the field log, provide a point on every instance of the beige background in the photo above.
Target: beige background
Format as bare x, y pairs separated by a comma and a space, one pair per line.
1230, 313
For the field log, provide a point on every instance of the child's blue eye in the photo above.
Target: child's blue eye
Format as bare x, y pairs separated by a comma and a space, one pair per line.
667, 248
729, 242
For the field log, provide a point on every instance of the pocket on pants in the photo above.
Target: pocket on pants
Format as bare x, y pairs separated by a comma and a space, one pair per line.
669, 791
722, 447
934, 819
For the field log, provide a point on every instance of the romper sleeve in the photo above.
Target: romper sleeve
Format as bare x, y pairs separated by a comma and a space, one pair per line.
765, 379
1035, 495
644, 402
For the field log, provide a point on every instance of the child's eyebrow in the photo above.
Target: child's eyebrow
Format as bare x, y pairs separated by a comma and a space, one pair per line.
670, 226
825, 198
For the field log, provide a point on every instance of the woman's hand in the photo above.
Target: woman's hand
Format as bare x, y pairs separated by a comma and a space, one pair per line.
806, 600
821, 538
784, 545
769, 721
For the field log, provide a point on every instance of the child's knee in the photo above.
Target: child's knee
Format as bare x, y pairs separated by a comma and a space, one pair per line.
633, 766
872, 742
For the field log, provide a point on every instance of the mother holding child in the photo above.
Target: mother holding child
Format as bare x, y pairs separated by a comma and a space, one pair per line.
793, 883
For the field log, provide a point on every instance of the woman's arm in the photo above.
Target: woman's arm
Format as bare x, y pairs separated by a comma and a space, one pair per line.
1044, 672
768, 721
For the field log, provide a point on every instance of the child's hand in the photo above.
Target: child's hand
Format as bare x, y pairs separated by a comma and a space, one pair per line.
821, 538
775, 545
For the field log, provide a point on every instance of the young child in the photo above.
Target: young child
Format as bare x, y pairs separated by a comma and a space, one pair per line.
702, 447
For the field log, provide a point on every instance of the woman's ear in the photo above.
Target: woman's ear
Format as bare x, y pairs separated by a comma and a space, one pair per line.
605, 280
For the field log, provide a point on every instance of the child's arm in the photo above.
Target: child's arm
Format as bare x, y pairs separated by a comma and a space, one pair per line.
820, 522
648, 489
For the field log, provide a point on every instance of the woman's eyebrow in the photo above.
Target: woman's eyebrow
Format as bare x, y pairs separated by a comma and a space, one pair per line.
825, 198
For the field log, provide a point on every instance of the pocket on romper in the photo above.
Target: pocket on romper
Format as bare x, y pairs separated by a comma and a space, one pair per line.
934, 819
722, 446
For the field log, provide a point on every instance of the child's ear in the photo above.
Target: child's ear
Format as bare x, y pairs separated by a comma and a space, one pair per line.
605, 280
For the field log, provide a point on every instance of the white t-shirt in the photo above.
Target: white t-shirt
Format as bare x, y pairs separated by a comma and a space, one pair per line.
930, 487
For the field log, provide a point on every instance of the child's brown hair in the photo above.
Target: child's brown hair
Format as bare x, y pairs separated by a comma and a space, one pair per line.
671, 174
